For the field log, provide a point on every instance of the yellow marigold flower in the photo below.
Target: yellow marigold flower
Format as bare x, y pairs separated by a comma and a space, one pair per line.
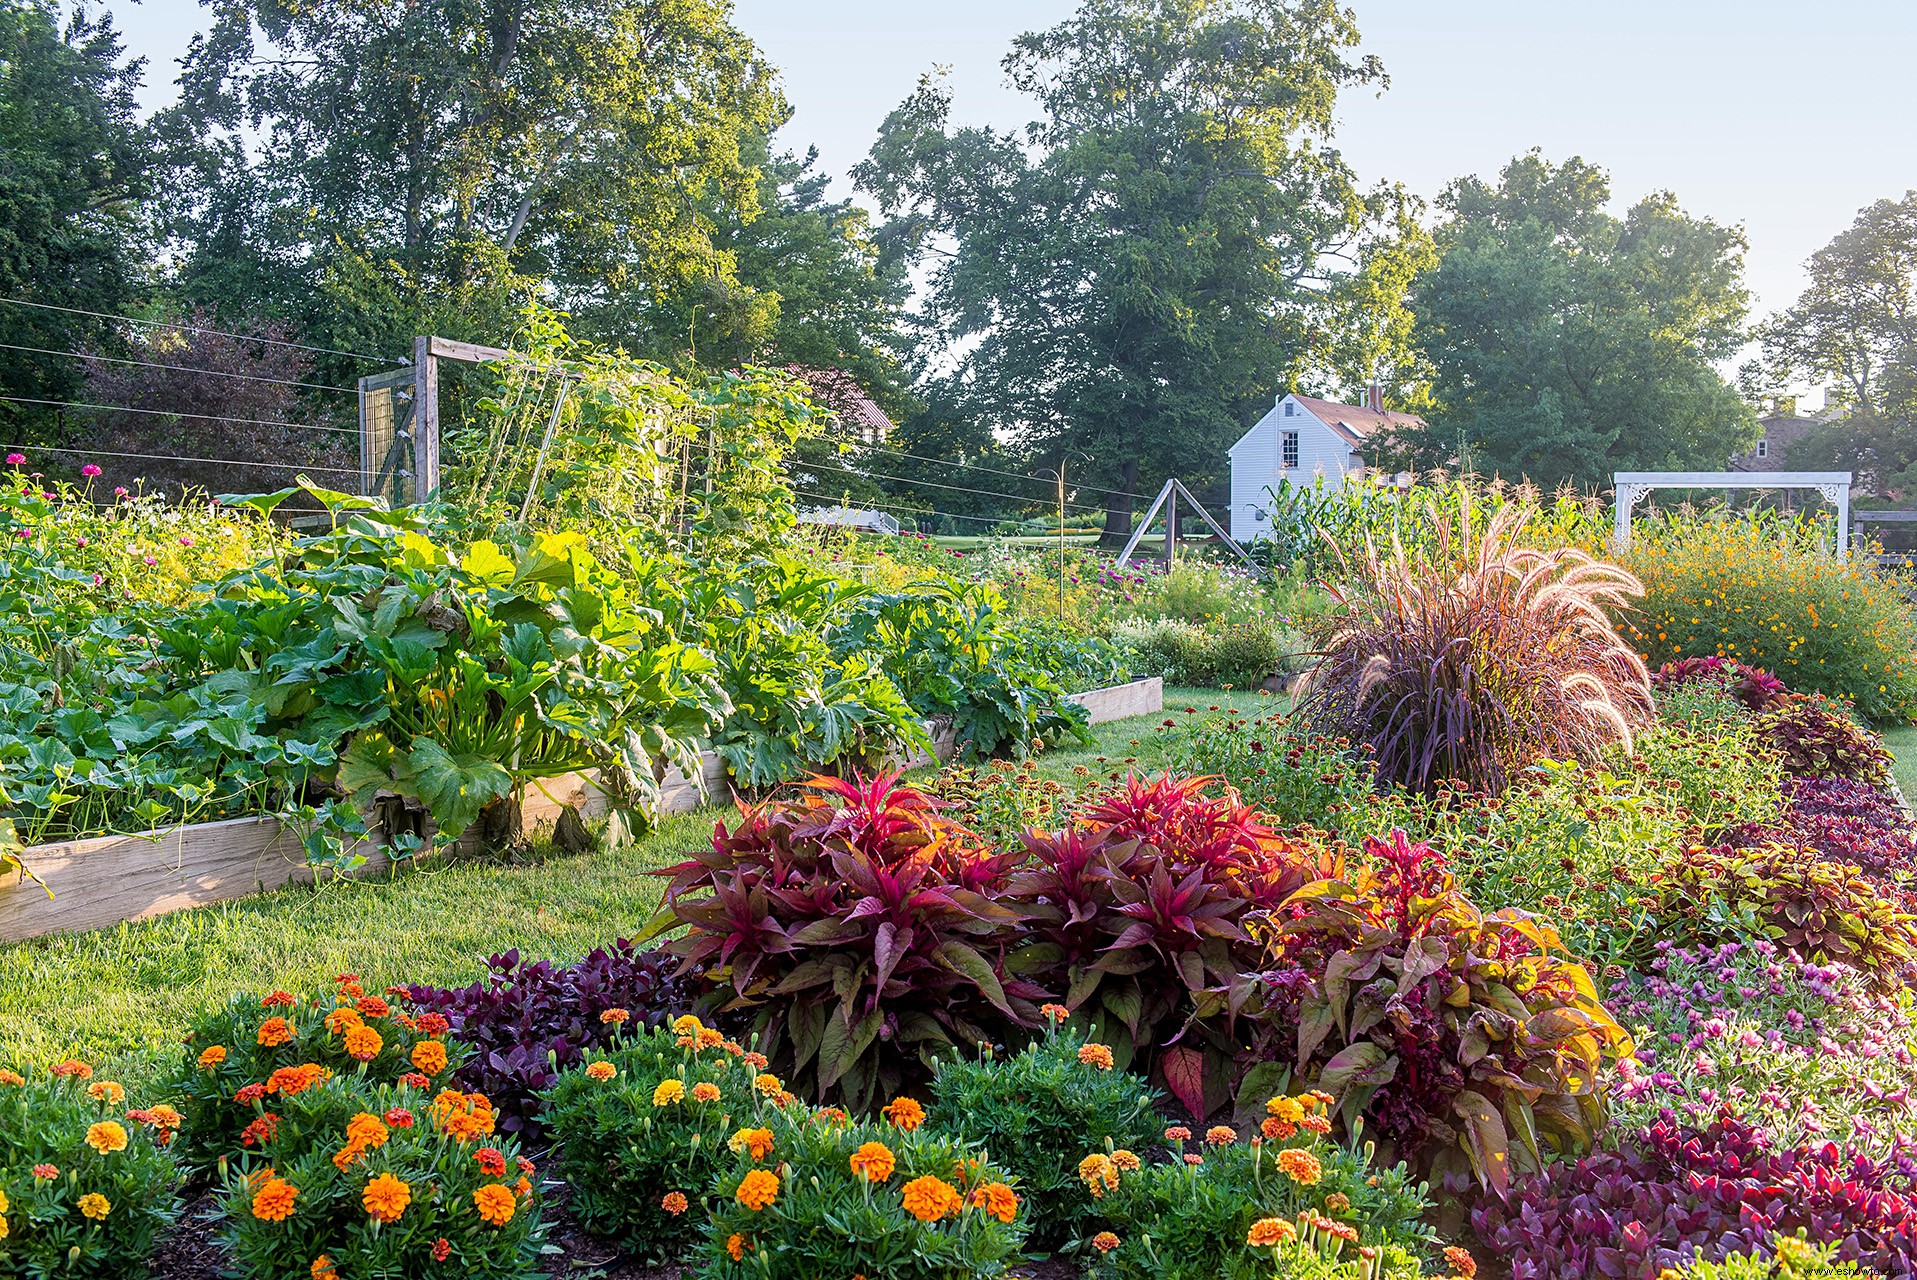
997, 1200
363, 1043
106, 1137
273, 1202
757, 1189
769, 1085
1105, 1242
687, 1025
668, 1092
386, 1197
1098, 1173
705, 1091
674, 1203
274, 1031
4, 1203
929, 1199
4, 1229
1096, 1055
874, 1162
1290, 1110
735, 1246
212, 1056
1125, 1160
1267, 1232
757, 1141
429, 1056
495, 1203
1300, 1166
905, 1114
95, 1206
107, 1091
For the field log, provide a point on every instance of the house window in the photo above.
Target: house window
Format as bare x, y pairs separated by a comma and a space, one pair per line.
1763, 448
1291, 410
1288, 457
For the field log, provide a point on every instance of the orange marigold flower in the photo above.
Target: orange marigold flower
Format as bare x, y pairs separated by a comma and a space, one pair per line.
669, 1092
107, 1091
248, 1094
260, 1131
495, 1203
1123, 1159
757, 1189
1096, 1055
367, 1130
342, 1018
674, 1203
710, 1038
273, 1202
72, 1067
601, 1071
905, 1114
11, 1077
363, 1043
323, 1269
736, 1246
278, 1000
929, 1199
491, 1161
1098, 1173
1277, 1130
1460, 1261
386, 1197
106, 1137
292, 1080
1267, 1232
1221, 1135
414, 1080
874, 1162
757, 1141
1178, 1133
757, 1061
997, 1200
1300, 1166
1105, 1242
832, 1115
1054, 1013
429, 1056
212, 1056
46, 1172
732, 1047
274, 1031
399, 1117
1320, 1125
705, 1091
95, 1206
373, 1006
614, 1017
165, 1117
1193, 1158
464, 1116
442, 1249
434, 1024
769, 1085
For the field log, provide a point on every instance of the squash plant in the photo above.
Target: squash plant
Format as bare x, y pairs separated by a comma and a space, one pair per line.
1469, 1042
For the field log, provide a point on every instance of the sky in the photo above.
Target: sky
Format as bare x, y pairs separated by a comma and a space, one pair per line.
1784, 118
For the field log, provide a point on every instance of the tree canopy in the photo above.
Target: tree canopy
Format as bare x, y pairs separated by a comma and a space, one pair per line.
1173, 238
1564, 343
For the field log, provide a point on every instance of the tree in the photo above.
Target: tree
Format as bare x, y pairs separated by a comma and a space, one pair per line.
1855, 329
1565, 343
370, 163
72, 174
1134, 273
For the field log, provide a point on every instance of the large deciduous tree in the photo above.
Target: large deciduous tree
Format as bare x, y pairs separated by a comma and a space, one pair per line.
1565, 343
72, 174
1855, 330
370, 165
1133, 273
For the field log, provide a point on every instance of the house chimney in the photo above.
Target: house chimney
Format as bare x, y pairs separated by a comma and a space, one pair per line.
1374, 398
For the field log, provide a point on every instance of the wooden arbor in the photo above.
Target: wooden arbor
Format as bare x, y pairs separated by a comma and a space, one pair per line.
1632, 485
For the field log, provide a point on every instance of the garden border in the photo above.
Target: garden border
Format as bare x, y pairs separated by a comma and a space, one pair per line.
102, 881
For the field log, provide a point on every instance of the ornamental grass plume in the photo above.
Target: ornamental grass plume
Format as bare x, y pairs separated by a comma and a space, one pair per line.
1474, 657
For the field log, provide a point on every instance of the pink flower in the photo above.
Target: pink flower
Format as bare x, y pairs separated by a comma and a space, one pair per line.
89, 471
98, 578
120, 492
15, 459
186, 542
79, 542
150, 560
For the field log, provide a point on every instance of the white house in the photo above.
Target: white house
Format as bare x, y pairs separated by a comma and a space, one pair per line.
1301, 440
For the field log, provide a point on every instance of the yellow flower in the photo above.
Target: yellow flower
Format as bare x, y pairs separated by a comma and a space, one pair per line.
95, 1206
106, 1137
668, 1092
768, 1085
1289, 1110
757, 1189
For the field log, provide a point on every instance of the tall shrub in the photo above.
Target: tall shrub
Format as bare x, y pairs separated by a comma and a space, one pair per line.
1475, 656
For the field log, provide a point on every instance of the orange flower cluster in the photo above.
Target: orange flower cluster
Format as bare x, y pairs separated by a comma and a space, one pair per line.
929, 1199
757, 1189
463, 1116
385, 1198
757, 1141
874, 1162
273, 1202
292, 1080
905, 1114
495, 1203
364, 1132
1098, 1173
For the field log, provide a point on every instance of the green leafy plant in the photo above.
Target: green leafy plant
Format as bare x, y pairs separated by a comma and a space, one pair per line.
1037, 1111
1288, 774
1470, 1042
858, 926
833, 1197
87, 1186
1476, 657
357, 1178
1790, 1257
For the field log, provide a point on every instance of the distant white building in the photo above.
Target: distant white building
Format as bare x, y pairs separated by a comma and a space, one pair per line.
860, 519
1302, 440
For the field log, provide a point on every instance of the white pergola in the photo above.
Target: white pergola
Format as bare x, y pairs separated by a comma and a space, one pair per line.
1632, 485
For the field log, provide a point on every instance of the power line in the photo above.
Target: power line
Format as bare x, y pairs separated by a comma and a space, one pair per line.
180, 368
173, 413
989, 493
1016, 475
173, 457
188, 328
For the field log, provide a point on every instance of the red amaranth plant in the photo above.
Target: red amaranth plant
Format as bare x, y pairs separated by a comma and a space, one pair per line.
1477, 657
1629, 1214
858, 925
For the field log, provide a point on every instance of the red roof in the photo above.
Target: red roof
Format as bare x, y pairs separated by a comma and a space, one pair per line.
1356, 422
839, 392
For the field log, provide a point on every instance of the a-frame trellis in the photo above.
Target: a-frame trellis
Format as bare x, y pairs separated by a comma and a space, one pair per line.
1167, 499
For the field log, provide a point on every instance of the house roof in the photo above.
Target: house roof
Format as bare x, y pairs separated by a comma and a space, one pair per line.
1356, 423
839, 392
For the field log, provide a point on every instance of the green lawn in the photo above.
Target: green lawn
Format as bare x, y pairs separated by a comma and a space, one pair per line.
126, 993
1902, 742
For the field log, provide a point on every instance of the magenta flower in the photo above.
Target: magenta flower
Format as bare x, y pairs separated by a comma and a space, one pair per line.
89, 471
120, 492
186, 542
151, 561
15, 459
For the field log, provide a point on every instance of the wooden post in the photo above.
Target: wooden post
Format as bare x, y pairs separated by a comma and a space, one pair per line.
425, 420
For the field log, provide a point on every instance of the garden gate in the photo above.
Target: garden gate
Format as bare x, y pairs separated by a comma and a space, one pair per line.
399, 421
1632, 485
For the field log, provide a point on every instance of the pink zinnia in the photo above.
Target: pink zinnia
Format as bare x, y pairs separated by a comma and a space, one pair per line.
15, 459
89, 471
120, 492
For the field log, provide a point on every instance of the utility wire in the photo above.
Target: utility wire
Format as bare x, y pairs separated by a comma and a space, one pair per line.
989, 493
180, 368
1016, 475
188, 328
173, 413
173, 457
